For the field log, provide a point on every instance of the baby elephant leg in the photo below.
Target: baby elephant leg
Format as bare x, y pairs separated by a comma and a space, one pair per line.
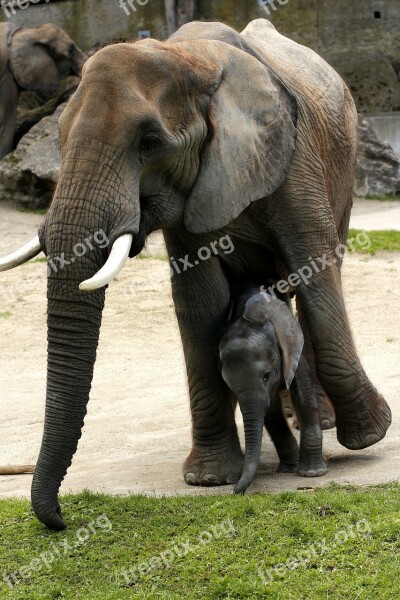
282, 438
305, 402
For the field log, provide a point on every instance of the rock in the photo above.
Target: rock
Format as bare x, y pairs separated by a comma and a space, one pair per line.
30, 173
372, 79
378, 168
34, 106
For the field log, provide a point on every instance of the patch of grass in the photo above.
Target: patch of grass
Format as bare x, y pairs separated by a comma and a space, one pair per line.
152, 257
42, 259
35, 211
5, 314
384, 197
377, 240
346, 539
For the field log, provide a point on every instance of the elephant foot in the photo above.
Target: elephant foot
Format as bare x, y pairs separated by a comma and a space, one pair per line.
356, 431
312, 469
288, 456
286, 467
209, 469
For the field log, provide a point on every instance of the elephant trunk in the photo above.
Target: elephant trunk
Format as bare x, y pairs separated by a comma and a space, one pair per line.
77, 236
253, 430
72, 342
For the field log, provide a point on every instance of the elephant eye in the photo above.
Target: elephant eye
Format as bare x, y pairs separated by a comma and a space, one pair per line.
266, 376
149, 143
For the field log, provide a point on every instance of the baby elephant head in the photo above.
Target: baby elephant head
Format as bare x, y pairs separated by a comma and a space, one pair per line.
259, 356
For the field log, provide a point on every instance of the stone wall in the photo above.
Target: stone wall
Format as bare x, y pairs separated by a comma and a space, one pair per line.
361, 38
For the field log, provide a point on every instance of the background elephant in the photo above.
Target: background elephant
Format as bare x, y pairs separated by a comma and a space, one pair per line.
208, 134
261, 354
34, 60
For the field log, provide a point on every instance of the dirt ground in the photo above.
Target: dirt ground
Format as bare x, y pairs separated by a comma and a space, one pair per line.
137, 431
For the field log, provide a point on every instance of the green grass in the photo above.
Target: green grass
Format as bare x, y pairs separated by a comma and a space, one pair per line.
383, 197
162, 257
5, 314
349, 540
35, 211
369, 242
43, 259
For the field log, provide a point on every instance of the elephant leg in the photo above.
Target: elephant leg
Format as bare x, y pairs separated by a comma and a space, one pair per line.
282, 438
362, 415
326, 411
201, 298
305, 403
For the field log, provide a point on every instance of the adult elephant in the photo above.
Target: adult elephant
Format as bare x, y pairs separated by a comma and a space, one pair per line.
209, 134
34, 60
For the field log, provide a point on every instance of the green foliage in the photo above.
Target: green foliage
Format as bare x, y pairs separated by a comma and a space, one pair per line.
380, 240
341, 559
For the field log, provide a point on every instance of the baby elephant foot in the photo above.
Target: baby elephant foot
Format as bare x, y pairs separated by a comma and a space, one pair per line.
312, 468
287, 467
213, 469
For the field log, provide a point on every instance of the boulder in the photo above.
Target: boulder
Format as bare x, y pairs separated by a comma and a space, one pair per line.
378, 167
30, 173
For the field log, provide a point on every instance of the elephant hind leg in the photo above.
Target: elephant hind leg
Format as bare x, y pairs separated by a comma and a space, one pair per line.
327, 416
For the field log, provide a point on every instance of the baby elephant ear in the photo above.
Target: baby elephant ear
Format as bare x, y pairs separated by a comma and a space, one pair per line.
263, 307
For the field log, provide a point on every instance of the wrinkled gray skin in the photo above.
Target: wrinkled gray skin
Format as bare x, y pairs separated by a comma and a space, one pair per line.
35, 60
261, 355
208, 134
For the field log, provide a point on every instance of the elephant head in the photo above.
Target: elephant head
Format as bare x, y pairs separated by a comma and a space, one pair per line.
158, 135
39, 58
34, 60
259, 356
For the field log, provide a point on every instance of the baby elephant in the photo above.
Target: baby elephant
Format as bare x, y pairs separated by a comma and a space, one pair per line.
261, 354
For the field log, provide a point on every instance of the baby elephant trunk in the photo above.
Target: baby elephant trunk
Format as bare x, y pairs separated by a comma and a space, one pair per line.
253, 431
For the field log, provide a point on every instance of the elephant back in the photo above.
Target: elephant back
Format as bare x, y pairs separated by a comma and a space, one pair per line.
306, 74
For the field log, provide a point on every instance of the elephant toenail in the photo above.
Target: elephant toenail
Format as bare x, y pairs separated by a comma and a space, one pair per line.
191, 479
210, 479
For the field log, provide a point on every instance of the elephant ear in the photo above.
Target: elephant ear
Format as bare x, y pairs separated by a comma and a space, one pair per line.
31, 62
251, 143
262, 307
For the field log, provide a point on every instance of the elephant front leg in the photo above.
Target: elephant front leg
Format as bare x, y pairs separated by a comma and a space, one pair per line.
201, 297
283, 439
305, 401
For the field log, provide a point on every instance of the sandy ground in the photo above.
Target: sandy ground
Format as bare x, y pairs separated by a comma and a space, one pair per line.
137, 431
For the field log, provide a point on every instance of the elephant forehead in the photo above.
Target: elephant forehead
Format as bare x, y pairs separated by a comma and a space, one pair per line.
244, 340
146, 62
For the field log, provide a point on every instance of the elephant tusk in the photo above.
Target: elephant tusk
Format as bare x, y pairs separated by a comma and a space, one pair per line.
21, 256
118, 256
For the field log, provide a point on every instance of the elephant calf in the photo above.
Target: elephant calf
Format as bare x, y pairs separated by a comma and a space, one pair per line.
35, 60
261, 354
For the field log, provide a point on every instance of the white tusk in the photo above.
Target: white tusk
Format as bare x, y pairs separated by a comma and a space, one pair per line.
21, 256
118, 255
